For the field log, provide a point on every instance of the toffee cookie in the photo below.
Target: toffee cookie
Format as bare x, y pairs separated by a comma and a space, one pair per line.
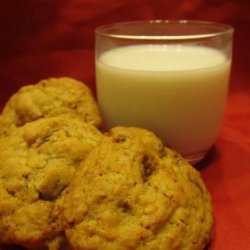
48, 98
37, 162
132, 193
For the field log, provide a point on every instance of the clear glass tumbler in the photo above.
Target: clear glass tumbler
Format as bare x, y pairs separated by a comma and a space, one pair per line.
170, 77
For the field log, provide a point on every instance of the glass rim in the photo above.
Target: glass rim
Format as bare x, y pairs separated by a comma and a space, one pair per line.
222, 29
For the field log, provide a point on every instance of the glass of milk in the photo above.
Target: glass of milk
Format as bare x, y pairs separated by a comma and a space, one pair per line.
170, 77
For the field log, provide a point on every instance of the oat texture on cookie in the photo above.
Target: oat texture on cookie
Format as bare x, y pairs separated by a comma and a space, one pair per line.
37, 162
48, 98
130, 192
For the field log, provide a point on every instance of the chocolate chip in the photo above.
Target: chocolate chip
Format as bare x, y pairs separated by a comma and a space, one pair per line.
148, 166
125, 206
120, 138
12, 247
11, 192
45, 197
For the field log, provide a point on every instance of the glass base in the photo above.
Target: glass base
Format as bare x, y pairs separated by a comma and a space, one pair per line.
195, 158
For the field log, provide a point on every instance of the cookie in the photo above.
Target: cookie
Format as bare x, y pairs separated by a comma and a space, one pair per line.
132, 193
49, 98
37, 162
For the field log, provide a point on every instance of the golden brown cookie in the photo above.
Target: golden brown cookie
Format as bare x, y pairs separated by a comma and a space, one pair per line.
48, 98
132, 193
37, 162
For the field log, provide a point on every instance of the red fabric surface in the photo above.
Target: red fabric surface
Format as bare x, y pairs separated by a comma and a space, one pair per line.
44, 38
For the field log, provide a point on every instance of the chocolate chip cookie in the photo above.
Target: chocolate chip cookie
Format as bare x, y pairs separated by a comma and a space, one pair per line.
37, 162
130, 192
48, 98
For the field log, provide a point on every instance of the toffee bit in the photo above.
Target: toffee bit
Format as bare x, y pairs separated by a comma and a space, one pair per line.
101, 199
162, 151
108, 133
43, 140
179, 159
196, 182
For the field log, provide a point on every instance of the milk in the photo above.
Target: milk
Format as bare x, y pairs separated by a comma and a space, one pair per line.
177, 91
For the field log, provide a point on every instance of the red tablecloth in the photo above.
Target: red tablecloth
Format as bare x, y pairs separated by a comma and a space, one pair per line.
44, 38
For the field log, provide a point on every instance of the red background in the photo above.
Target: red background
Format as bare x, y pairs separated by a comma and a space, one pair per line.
44, 38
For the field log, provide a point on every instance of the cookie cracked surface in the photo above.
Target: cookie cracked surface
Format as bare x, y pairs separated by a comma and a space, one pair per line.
132, 193
37, 162
49, 98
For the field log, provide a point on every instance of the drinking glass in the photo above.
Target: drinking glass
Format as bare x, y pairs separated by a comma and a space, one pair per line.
170, 77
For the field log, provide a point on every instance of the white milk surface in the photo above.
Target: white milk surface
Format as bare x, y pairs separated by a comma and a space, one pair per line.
178, 92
